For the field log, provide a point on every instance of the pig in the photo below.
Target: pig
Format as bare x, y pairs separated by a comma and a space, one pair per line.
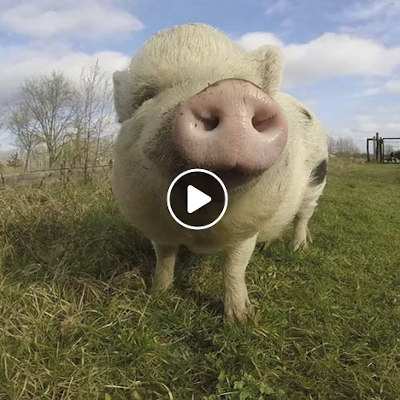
193, 98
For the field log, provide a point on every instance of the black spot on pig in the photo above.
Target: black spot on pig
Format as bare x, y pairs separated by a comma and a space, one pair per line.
318, 174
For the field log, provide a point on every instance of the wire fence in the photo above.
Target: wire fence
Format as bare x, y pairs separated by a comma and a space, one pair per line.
43, 176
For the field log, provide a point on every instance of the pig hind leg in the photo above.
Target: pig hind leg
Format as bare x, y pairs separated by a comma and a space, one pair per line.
314, 190
165, 266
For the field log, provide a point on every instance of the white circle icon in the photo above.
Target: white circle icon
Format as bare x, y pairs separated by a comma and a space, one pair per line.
196, 198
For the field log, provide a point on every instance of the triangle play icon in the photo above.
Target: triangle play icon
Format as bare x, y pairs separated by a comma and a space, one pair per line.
196, 199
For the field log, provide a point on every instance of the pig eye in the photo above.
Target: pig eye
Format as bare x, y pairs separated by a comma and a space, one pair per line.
145, 93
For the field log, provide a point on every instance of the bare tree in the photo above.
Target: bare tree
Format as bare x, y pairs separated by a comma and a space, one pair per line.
71, 123
25, 129
342, 145
95, 114
346, 145
331, 145
14, 160
51, 101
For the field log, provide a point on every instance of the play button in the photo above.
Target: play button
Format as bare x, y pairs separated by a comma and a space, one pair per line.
197, 199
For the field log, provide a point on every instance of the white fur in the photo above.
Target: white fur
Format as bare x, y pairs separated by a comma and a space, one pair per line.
236, 299
173, 66
164, 274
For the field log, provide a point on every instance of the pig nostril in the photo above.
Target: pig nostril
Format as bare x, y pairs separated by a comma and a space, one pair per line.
210, 123
261, 124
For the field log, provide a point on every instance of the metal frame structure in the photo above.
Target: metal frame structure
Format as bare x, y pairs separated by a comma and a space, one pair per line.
378, 147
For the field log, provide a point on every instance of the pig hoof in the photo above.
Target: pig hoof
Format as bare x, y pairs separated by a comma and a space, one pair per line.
160, 286
299, 245
239, 312
302, 241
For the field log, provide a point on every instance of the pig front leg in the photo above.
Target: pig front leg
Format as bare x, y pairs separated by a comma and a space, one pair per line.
165, 266
302, 235
236, 300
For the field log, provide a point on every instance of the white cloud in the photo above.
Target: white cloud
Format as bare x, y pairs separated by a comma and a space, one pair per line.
253, 40
89, 18
372, 18
366, 10
330, 55
366, 123
369, 92
20, 63
393, 86
390, 87
385, 120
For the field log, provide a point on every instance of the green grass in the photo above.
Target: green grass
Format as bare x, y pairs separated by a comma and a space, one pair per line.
77, 320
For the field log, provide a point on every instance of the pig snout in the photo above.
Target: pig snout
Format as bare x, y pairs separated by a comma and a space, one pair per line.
231, 125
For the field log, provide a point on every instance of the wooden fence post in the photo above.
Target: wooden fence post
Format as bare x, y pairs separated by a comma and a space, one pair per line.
382, 150
376, 142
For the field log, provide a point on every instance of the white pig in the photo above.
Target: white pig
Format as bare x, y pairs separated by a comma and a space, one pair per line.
192, 98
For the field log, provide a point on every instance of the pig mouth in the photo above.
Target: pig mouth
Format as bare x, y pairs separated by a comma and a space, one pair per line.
236, 179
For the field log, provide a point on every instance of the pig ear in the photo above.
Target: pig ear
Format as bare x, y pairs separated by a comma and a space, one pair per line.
123, 95
271, 65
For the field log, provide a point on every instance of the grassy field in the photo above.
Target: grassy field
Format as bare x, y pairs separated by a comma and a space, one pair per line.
77, 320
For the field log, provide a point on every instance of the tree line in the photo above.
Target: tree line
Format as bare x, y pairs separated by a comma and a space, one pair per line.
56, 122
342, 145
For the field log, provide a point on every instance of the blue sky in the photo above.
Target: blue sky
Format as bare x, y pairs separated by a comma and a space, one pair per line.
342, 57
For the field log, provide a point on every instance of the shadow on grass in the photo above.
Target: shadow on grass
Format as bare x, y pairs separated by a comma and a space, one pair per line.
187, 266
100, 246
